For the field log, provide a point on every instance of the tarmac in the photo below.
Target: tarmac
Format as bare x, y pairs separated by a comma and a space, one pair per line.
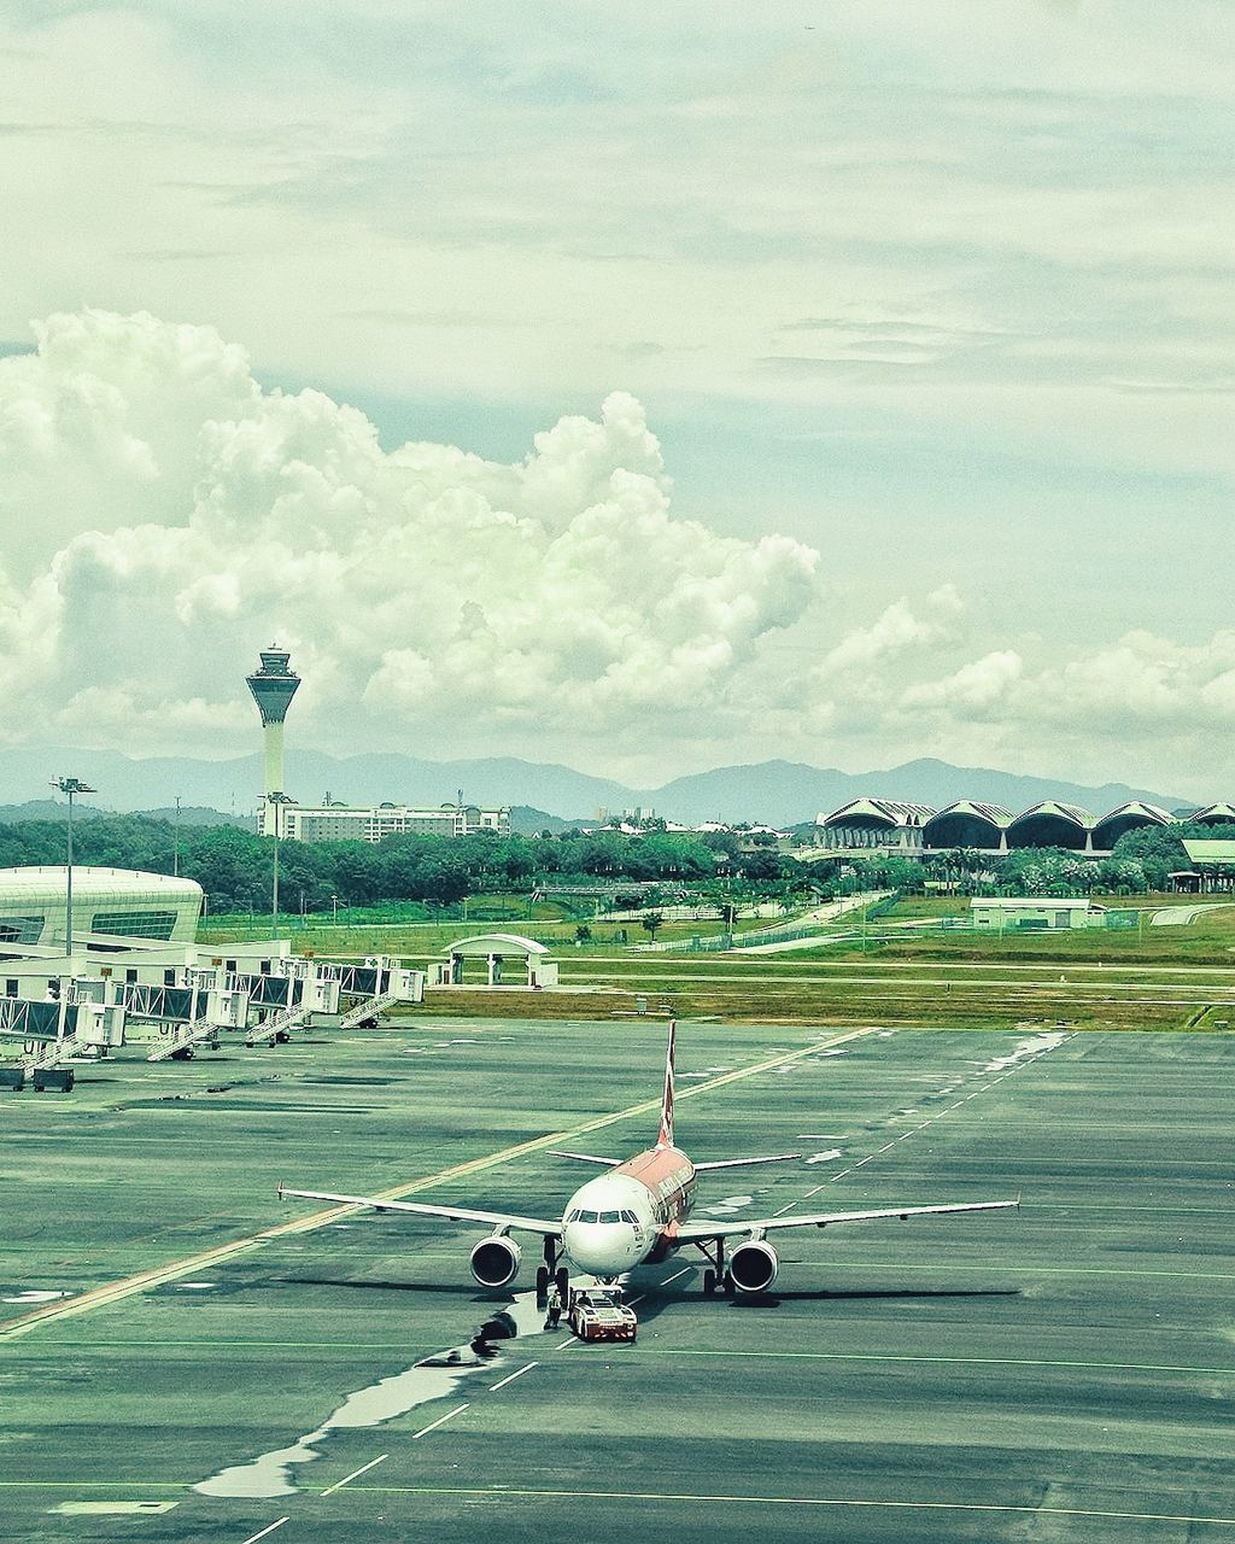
223, 1369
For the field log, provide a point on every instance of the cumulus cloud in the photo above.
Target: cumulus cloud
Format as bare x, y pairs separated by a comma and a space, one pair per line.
894, 634
165, 516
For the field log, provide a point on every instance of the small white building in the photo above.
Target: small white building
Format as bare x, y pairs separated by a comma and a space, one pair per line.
1002, 913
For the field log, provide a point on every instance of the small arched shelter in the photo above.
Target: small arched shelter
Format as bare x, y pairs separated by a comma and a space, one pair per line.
496, 949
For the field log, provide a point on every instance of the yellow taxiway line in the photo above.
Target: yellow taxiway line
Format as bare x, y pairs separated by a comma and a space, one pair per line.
160, 1275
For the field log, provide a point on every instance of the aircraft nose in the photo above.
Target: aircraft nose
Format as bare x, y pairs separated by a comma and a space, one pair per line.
598, 1247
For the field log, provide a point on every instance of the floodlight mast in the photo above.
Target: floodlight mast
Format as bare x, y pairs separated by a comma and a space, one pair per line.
70, 786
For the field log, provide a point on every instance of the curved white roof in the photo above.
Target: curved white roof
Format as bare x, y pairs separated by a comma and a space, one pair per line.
891, 811
1070, 812
497, 943
49, 878
995, 813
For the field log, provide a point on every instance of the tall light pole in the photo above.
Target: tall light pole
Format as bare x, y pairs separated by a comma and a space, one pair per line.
176, 841
70, 786
278, 800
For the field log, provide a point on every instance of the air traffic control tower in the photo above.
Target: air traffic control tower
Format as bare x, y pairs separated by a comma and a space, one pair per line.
273, 687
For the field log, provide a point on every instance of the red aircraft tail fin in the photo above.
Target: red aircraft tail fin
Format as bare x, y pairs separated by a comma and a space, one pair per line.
665, 1138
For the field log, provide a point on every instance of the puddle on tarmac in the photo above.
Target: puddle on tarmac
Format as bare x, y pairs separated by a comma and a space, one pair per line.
1032, 1047
727, 1206
433, 1378
832, 1152
32, 1296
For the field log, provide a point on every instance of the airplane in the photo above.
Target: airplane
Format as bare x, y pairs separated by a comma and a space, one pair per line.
639, 1213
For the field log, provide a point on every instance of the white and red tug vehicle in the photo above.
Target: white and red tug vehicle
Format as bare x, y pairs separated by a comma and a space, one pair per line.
598, 1313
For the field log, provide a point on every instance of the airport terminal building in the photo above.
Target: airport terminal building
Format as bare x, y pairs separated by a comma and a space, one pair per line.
111, 908
890, 828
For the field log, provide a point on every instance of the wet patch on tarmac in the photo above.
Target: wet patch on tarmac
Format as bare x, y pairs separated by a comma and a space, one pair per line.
433, 1377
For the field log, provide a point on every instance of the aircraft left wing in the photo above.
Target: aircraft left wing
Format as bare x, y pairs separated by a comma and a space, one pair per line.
541, 1225
744, 1163
691, 1232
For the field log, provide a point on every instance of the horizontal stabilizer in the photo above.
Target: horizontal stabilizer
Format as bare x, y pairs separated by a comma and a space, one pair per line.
745, 1163
603, 1163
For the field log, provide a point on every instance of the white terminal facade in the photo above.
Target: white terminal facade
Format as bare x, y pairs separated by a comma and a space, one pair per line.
111, 907
273, 686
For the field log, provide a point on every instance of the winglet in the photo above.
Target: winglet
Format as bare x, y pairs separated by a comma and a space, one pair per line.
665, 1136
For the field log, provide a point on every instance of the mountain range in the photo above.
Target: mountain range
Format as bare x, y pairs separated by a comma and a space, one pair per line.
777, 792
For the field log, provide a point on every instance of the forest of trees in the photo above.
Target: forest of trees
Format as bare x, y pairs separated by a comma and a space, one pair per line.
234, 866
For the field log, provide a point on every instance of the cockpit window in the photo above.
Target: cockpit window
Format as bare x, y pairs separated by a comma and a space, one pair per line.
610, 1216
629, 1217
589, 1217
573, 1216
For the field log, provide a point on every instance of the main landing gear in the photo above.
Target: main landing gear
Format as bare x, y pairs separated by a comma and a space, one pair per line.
551, 1270
717, 1274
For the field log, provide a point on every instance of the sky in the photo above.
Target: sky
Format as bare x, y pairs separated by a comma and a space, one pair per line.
640, 388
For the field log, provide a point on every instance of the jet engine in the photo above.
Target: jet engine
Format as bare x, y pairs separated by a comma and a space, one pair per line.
753, 1266
495, 1261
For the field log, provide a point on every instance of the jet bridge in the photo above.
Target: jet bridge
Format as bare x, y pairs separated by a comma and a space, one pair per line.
71, 1026
366, 990
186, 1016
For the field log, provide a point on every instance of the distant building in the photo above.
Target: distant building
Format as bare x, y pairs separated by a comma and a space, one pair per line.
1213, 866
370, 823
1003, 913
881, 825
912, 830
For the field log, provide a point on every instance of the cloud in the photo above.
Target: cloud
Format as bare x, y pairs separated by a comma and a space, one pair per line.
421, 589
886, 641
164, 516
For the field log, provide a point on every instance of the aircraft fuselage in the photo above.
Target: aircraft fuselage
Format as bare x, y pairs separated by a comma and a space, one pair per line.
629, 1215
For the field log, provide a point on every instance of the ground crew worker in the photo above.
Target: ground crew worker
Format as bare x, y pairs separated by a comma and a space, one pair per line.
554, 1304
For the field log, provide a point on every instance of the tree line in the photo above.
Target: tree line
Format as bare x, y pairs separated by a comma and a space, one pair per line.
234, 867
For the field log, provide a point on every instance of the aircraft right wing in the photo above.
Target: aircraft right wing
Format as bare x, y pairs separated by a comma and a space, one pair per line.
541, 1225
689, 1232
603, 1163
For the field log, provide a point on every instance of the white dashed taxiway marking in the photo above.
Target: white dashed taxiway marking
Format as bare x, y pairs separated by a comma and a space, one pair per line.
355, 1474
441, 1421
253, 1537
493, 1388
